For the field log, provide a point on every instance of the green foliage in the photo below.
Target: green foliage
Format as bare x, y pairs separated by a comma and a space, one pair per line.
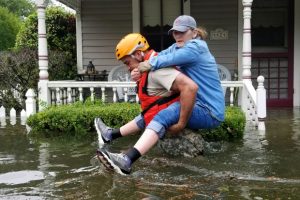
232, 128
10, 25
62, 66
76, 120
19, 72
61, 38
61, 31
21, 8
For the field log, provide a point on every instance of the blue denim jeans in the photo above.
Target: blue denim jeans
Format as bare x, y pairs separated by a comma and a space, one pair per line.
201, 118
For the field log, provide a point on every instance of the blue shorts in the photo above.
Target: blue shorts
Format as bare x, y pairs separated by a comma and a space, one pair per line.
201, 118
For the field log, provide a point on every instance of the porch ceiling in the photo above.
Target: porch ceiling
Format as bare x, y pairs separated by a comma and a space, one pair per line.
74, 4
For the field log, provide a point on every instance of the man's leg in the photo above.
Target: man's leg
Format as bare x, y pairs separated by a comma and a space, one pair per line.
122, 162
107, 134
148, 139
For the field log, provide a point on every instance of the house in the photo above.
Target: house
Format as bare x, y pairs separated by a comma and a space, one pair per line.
274, 27
249, 37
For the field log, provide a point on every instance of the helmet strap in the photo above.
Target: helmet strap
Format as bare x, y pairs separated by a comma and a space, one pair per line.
134, 57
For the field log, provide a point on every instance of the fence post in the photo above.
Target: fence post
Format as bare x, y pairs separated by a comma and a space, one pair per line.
2, 112
12, 116
23, 117
261, 103
30, 102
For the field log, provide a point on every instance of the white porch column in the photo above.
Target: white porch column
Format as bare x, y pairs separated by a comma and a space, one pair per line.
246, 54
79, 39
44, 94
296, 54
246, 51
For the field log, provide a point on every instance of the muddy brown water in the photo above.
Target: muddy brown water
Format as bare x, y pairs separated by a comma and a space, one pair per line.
260, 166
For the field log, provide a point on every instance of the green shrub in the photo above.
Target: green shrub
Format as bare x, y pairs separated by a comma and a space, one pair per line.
232, 128
77, 120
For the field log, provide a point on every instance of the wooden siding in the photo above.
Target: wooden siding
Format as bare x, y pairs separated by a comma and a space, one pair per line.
215, 14
103, 24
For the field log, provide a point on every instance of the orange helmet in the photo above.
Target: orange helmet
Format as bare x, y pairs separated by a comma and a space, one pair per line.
130, 43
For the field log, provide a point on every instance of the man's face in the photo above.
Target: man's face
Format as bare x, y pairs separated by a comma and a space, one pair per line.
132, 61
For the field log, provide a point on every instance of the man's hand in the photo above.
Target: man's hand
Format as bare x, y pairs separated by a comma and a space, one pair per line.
176, 128
135, 75
144, 66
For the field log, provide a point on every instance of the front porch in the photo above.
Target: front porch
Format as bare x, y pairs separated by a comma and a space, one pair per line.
251, 100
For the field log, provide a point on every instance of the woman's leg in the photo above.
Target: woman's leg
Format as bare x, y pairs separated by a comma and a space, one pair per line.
201, 118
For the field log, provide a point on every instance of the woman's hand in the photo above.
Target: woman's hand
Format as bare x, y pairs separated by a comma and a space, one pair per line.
144, 66
135, 74
176, 128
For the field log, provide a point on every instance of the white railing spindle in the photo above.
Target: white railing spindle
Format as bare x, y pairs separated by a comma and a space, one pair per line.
126, 94
58, 101
114, 94
92, 94
231, 96
103, 94
69, 90
80, 94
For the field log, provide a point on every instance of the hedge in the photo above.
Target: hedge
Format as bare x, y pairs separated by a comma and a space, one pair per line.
77, 120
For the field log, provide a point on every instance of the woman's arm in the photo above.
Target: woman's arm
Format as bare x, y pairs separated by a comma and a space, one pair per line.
188, 91
178, 57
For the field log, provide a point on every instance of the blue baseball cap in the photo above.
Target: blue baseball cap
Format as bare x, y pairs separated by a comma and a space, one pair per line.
183, 23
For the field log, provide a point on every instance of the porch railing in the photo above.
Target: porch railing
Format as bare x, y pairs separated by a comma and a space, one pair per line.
241, 93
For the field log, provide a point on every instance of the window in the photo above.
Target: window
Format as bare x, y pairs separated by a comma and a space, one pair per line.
157, 18
269, 25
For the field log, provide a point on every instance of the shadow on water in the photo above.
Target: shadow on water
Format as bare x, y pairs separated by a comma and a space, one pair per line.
261, 166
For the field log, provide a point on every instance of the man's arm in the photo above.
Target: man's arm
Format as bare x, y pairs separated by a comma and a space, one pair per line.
188, 91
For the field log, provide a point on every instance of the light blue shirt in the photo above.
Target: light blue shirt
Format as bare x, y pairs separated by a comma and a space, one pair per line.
195, 60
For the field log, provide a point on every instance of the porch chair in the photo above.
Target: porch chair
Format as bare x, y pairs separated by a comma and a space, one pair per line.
224, 75
120, 73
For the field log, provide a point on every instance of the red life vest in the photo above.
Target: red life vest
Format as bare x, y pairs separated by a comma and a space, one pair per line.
151, 105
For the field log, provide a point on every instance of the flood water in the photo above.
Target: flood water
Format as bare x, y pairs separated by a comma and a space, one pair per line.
257, 167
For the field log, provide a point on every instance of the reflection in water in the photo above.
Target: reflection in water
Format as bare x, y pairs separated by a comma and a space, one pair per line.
296, 128
2, 122
257, 167
44, 157
20, 177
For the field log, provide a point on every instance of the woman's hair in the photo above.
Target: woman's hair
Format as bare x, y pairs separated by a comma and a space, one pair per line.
201, 32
